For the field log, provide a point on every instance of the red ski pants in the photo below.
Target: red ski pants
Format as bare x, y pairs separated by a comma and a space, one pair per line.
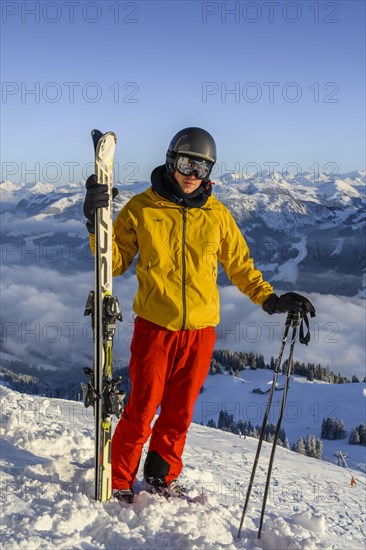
167, 368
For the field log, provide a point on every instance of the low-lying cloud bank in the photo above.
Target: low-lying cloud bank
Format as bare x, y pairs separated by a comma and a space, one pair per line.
42, 320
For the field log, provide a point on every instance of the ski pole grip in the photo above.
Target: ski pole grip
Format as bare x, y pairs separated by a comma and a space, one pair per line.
294, 317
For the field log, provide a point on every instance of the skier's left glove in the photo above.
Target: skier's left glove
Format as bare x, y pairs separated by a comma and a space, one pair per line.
97, 196
290, 301
295, 303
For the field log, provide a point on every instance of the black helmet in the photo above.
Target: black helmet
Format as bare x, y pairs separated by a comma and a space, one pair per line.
194, 142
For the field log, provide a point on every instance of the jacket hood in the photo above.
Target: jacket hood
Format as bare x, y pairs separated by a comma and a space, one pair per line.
166, 186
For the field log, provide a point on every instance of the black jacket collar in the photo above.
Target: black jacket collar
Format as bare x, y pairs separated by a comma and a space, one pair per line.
166, 186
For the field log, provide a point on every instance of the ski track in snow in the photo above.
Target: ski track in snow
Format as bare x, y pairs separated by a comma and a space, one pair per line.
47, 486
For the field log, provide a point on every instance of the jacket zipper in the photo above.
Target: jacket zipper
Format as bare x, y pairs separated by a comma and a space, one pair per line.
184, 303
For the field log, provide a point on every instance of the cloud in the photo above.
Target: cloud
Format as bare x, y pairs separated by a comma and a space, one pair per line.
337, 331
48, 225
42, 316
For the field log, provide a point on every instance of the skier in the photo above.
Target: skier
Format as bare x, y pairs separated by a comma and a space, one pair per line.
180, 231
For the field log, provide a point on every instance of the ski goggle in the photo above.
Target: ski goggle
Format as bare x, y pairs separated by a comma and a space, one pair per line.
187, 166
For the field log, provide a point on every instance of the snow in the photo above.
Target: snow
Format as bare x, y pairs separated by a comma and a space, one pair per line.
307, 404
8, 186
289, 270
282, 201
288, 203
264, 388
8, 357
314, 522
60, 205
39, 188
339, 188
47, 477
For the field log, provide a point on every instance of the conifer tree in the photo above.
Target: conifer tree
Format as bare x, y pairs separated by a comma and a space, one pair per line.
354, 437
319, 448
362, 433
310, 446
300, 446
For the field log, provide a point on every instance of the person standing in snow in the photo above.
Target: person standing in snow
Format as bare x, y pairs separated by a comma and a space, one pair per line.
180, 232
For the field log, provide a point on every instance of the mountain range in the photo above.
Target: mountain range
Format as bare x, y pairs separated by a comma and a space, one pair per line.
303, 234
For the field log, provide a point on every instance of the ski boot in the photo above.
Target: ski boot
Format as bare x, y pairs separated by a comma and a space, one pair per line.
124, 496
159, 486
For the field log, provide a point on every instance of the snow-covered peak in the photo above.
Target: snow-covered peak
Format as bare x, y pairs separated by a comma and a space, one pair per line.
355, 179
9, 191
39, 188
341, 189
10, 186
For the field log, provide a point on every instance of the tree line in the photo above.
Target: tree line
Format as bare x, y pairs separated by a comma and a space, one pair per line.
335, 429
236, 361
30, 379
311, 446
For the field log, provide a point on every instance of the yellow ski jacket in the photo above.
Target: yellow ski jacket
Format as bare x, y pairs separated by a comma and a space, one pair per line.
179, 249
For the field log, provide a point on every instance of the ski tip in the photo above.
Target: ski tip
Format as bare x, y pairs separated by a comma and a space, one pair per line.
96, 135
111, 134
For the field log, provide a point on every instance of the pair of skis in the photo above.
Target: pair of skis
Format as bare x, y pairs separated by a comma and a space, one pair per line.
101, 391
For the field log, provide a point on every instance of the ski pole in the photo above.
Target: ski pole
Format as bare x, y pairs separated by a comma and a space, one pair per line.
265, 419
295, 320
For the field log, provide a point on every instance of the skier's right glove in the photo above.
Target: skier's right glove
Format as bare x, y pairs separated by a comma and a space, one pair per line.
290, 301
96, 197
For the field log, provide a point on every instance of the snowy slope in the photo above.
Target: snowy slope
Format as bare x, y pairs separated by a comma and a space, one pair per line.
307, 404
46, 473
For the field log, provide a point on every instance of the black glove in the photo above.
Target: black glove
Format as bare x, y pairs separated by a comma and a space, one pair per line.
291, 301
97, 196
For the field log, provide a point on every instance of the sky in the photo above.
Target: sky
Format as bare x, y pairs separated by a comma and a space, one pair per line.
274, 82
